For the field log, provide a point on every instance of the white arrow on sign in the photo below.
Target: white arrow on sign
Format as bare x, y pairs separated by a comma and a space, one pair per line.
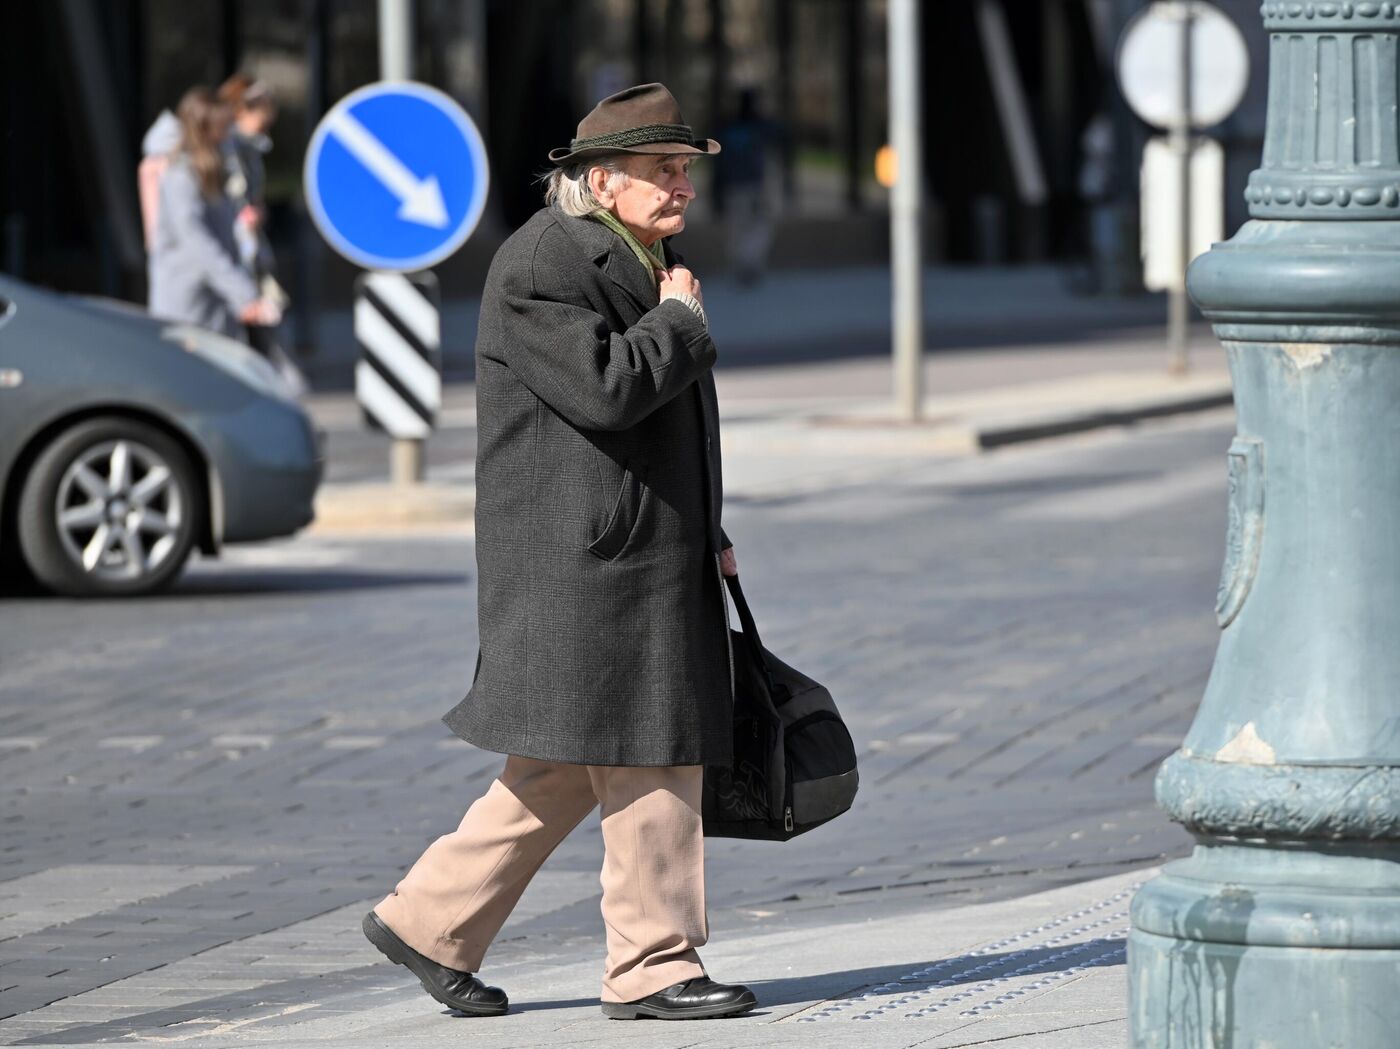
421, 198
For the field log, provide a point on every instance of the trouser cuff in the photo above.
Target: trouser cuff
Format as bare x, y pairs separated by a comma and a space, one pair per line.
455, 954
648, 979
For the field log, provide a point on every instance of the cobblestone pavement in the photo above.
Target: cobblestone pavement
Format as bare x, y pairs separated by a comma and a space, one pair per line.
201, 792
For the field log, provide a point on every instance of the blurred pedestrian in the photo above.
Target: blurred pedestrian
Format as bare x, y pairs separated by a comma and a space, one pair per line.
1096, 188
161, 140
254, 112
604, 670
197, 274
741, 175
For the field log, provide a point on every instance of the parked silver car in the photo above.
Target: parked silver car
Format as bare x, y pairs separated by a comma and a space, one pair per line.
126, 442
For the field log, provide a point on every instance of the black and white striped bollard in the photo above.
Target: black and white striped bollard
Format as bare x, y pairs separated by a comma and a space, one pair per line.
398, 378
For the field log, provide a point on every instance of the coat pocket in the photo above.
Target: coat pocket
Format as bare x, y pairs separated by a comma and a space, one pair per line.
626, 511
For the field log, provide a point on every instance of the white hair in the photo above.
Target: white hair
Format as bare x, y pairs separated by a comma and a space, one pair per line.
568, 186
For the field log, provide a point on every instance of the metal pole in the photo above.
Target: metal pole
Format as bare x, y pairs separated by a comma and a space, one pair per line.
406, 461
306, 292
1178, 305
395, 39
476, 21
906, 209
406, 458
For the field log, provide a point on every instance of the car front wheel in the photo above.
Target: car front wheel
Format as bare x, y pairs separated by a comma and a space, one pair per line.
109, 508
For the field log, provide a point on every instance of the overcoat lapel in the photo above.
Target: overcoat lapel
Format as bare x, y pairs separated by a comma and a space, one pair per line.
626, 271
610, 254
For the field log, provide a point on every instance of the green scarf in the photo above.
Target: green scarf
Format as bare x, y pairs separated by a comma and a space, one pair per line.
652, 258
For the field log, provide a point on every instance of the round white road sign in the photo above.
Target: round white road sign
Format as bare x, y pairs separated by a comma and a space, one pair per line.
1149, 63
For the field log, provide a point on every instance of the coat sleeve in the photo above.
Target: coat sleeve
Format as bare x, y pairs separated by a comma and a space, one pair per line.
183, 208
724, 541
596, 378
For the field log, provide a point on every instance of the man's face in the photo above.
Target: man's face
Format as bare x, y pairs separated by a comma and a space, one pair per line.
652, 203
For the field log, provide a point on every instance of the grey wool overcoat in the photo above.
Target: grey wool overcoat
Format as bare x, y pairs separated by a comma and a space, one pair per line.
604, 632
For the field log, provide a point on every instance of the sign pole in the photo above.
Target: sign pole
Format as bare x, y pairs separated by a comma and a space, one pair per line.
395, 39
1178, 305
1183, 66
906, 209
406, 454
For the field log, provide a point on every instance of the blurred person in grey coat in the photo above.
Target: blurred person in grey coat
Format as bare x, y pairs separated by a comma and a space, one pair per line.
161, 140
604, 670
196, 273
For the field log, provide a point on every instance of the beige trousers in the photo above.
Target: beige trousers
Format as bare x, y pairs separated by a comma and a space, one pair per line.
454, 900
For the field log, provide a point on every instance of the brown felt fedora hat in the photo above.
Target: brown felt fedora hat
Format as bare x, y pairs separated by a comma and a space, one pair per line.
641, 119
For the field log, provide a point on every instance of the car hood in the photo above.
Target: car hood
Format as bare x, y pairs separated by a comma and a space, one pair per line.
113, 315
115, 311
111, 345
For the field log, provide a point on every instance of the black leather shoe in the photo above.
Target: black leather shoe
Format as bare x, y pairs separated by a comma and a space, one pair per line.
452, 987
696, 999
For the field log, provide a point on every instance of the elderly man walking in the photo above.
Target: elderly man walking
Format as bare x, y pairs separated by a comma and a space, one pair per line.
604, 672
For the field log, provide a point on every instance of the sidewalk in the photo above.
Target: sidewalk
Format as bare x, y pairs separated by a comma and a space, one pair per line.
807, 315
1040, 972
1011, 354
784, 423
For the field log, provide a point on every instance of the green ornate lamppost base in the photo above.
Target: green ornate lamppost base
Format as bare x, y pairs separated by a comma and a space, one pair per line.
1282, 930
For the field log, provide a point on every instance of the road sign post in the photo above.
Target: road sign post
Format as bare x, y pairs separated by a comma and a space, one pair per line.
398, 379
396, 180
1179, 308
395, 39
1182, 65
906, 210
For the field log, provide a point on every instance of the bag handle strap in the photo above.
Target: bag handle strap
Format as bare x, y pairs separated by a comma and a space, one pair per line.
747, 621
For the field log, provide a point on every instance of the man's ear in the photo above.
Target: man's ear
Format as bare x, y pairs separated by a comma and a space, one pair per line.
597, 179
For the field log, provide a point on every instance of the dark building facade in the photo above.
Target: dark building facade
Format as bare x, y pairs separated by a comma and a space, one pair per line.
1010, 87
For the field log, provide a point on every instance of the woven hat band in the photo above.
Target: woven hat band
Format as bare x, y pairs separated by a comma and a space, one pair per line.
645, 135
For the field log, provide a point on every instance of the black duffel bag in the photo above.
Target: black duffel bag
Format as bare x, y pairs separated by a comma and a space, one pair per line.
794, 763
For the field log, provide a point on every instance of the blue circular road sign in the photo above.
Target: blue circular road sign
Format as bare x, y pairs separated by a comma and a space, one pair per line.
396, 176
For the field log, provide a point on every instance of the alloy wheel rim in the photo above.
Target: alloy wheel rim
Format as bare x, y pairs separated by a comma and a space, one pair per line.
119, 511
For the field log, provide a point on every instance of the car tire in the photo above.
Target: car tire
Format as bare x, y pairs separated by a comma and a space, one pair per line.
109, 508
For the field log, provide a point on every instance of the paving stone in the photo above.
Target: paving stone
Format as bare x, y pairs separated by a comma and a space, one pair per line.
1010, 681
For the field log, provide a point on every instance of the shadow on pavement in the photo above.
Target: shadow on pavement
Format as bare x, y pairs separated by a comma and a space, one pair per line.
1023, 486
197, 1019
265, 582
1037, 485
250, 583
